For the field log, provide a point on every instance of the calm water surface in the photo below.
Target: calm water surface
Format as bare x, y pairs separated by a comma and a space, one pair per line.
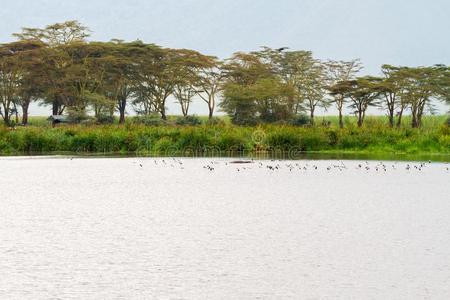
144, 228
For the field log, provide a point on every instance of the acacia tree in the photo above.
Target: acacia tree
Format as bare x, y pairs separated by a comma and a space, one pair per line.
338, 73
30, 87
363, 93
55, 60
190, 82
9, 81
419, 87
118, 85
252, 91
156, 79
210, 83
243, 71
302, 73
184, 93
390, 87
85, 77
443, 83
17, 60
313, 88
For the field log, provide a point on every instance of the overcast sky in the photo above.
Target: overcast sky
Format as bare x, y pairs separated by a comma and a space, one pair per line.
400, 32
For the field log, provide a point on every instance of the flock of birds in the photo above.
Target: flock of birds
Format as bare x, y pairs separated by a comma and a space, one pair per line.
277, 165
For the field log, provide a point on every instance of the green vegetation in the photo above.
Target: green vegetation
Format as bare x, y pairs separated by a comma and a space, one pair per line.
270, 98
57, 66
139, 139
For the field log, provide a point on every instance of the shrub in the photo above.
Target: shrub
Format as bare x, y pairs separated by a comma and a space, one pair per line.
193, 139
283, 140
150, 120
215, 121
300, 120
185, 140
188, 121
77, 116
105, 119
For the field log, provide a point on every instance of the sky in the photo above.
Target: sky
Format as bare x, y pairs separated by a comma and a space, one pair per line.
398, 32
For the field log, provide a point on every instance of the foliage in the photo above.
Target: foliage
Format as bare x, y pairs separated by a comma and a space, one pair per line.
57, 66
105, 119
300, 120
181, 140
188, 120
150, 120
215, 121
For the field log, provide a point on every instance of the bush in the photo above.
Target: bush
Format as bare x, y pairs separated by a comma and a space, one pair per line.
215, 121
447, 122
301, 120
78, 116
105, 119
282, 140
247, 120
188, 121
150, 120
200, 139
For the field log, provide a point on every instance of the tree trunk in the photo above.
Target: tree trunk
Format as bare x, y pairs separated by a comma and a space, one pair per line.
312, 117
184, 109
341, 120
399, 120
121, 106
414, 123
211, 112
55, 108
391, 118
391, 121
6, 117
16, 113
25, 107
420, 114
360, 118
122, 116
163, 114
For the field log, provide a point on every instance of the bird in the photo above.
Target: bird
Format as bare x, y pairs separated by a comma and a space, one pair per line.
282, 49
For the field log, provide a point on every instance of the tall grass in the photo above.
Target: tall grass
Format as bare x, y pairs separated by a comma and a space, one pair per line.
223, 139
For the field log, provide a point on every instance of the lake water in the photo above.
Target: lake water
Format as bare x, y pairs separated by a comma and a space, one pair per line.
144, 228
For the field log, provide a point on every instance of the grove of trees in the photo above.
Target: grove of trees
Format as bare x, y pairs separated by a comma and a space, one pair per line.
59, 67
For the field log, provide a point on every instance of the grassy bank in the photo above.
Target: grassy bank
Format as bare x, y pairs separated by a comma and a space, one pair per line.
223, 140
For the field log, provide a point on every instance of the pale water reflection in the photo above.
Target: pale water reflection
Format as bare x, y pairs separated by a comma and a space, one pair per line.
143, 228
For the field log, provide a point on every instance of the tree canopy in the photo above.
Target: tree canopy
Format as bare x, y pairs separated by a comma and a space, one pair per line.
58, 66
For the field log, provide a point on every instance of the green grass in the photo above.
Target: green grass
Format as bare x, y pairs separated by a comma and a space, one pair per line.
374, 138
428, 121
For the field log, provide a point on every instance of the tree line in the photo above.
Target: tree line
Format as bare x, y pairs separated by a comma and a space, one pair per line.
57, 66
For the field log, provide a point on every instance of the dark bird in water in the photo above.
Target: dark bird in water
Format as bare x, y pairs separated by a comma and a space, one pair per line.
208, 167
141, 165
